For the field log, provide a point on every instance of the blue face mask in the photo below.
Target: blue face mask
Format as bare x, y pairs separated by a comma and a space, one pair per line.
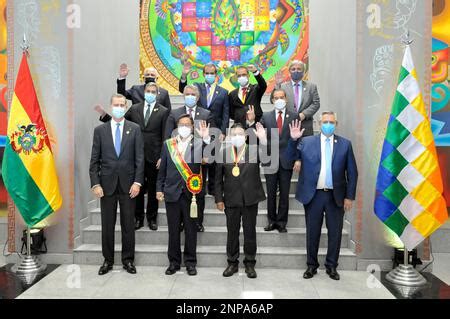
150, 98
210, 78
118, 112
297, 76
190, 100
328, 129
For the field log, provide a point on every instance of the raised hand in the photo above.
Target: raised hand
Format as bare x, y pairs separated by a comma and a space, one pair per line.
260, 132
186, 69
252, 68
251, 114
203, 130
123, 71
296, 129
279, 78
98, 108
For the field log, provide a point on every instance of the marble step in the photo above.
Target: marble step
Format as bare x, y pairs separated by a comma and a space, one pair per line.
214, 217
215, 256
215, 236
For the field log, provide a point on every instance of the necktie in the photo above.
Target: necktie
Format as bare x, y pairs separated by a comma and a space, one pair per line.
244, 94
118, 139
328, 172
208, 94
297, 96
280, 122
190, 112
147, 115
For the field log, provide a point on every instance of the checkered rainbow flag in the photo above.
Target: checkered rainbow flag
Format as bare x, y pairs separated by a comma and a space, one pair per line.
408, 196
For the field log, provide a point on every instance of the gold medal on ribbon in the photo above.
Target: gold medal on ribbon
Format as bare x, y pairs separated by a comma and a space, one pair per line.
236, 171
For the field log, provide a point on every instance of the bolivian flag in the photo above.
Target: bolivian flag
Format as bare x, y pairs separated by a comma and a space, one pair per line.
28, 167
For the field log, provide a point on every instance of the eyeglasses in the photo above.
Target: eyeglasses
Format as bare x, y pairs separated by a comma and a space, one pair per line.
328, 122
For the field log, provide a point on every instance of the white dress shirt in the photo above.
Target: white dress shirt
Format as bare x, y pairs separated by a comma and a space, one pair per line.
321, 181
240, 95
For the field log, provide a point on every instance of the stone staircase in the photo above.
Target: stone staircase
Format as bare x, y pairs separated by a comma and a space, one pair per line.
275, 250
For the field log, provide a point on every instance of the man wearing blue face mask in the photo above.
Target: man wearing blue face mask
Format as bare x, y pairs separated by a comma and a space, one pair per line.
117, 174
302, 97
151, 118
198, 114
326, 184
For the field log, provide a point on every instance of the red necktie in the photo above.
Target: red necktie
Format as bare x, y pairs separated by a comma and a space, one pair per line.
244, 93
280, 122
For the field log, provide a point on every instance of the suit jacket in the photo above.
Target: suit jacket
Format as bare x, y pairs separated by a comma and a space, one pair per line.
238, 110
170, 181
108, 169
344, 170
200, 115
309, 104
269, 121
219, 106
153, 133
137, 94
241, 191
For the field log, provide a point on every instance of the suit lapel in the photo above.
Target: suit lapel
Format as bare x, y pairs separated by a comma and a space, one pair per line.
305, 96
319, 147
154, 114
140, 110
215, 93
109, 135
336, 144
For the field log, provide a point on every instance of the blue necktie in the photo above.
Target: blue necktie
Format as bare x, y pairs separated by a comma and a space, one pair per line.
328, 173
118, 139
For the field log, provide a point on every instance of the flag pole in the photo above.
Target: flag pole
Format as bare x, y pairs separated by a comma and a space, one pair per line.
405, 278
30, 267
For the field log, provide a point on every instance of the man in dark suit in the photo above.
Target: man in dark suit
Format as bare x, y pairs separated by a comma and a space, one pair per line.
151, 118
199, 114
302, 96
136, 92
246, 95
117, 174
278, 175
327, 183
238, 191
173, 187
215, 99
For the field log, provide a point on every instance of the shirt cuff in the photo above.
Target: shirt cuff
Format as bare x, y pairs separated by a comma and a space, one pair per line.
250, 123
256, 73
119, 78
140, 185
92, 188
183, 81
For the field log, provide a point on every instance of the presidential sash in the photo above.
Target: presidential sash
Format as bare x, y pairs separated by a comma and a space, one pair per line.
194, 182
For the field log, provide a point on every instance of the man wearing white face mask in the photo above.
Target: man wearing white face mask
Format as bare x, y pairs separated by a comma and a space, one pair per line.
238, 191
180, 185
198, 114
247, 95
117, 174
279, 175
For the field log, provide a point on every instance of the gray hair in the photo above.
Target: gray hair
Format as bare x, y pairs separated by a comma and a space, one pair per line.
297, 62
193, 88
328, 113
116, 95
149, 84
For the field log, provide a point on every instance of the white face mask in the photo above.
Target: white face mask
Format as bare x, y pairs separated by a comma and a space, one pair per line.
184, 131
280, 104
238, 140
243, 80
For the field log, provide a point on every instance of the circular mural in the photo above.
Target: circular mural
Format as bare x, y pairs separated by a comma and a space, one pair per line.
228, 33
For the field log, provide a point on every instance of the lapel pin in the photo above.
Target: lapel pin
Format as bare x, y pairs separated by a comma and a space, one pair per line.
155, 110
287, 115
198, 113
335, 141
128, 132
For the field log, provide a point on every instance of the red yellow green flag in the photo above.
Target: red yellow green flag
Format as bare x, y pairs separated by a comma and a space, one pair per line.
28, 168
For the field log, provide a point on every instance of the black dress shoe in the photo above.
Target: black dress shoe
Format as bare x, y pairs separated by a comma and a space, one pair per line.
130, 268
282, 230
172, 269
138, 224
231, 270
200, 228
105, 268
270, 227
153, 225
250, 271
191, 271
309, 273
333, 274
